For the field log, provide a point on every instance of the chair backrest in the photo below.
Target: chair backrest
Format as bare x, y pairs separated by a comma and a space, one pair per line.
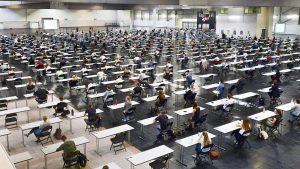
47, 129
131, 110
163, 102
11, 115
201, 119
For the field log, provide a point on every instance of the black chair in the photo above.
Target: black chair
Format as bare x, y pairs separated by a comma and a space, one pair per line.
274, 130
45, 136
137, 97
205, 154
91, 90
3, 105
145, 83
161, 163
117, 143
227, 113
90, 125
11, 120
109, 100
72, 161
17, 81
242, 139
166, 134
129, 115
162, 105
200, 123
208, 79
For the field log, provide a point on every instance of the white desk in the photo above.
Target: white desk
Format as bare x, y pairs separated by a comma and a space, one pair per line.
21, 157
211, 86
112, 82
226, 128
160, 83
262, 115
121, 105
148, 121
5, 160
5, 132
23, 78
207, 75
79, 115
187, 142
11, 98
16, 110
184, 70
149, 155
32, 125
184, 112
153, 98
24, 85
50, 149
179, 92
110, 165
244, 95
49, 104
112, 131
286, 107
128, 89
232, 81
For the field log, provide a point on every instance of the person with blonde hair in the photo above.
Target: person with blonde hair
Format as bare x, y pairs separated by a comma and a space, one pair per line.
243, 131
38, 130
30, 86
127, 106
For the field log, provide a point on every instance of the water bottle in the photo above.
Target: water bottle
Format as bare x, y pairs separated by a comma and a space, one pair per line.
72, 112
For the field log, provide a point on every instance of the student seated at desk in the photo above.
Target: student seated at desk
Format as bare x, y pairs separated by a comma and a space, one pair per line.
39, 64
276, 78
142, 76
38, 130
91, 88
107, 93
101, 76
274, 91
73, 81
204, 63
93, 118
30, 86
69, 149
167, 74
196, 114
163, 126
189, 96
291, 64
62, 108
188, 80
59, 74
127, 106
137, 90
41, 95
11, 73
126, 73
243, 131
216, 61
238, 86
219, 90
270, 122
296, 110
84, 70
119, 82
62, 63
203, 141
161, 98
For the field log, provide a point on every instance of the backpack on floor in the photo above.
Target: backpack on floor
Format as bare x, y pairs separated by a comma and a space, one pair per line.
57, 135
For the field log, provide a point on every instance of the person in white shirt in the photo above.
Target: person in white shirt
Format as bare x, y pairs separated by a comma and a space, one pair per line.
204, 63
119, 81
58, 74
142, 76
102, 58
203, 140
4, 66
169, 64
227, 102
101, 76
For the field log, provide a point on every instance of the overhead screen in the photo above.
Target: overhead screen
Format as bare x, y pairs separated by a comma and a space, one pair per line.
279, 28
50, 24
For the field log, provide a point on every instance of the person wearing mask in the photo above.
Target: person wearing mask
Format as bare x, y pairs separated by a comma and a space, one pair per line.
92, 116
296, 110
68, 147
126, 108
243, 131
38, 130
203, 141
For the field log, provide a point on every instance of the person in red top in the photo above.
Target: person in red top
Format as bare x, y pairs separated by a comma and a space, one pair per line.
268, 58
39, 64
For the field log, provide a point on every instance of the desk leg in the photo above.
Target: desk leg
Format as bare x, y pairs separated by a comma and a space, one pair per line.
16, 103
27, 164
7, 143
84, 149
97, 149
27, 116
142, 133
26, 102
71, 126
59, 125
40, 116
220, 142
52, 96
23, 138
181, 157
17, 91
45, 162
128, 137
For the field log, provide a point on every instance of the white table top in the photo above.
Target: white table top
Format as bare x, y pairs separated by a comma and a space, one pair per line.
111, 165
219, 102
186, 111
49, 149
112, 82
81, 114
51, 104
10, 98
5, 160
149, 155
17, 158
192, 140
31, 125
149, 121
180, 92
206, 87
24, 85
4, 132
31, 94
112, 131
121, 105
226, 128
262, 115
184, 70
153, 98
23, 78
207, 75
159, 83
234, 81
3, 88
97, 95
286, 107
15, 110
244, 95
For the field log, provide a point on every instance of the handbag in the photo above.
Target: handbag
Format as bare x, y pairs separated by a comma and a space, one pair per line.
214, 154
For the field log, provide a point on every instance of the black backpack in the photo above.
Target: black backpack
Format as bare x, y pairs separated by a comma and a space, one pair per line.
82, 160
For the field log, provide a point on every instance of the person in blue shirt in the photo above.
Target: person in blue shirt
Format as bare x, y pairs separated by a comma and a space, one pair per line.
219, 90
188, 80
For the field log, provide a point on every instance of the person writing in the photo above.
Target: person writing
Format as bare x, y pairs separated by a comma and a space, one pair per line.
127, 107
243, 131
203, 141
38, 130
68, 147
296, 110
